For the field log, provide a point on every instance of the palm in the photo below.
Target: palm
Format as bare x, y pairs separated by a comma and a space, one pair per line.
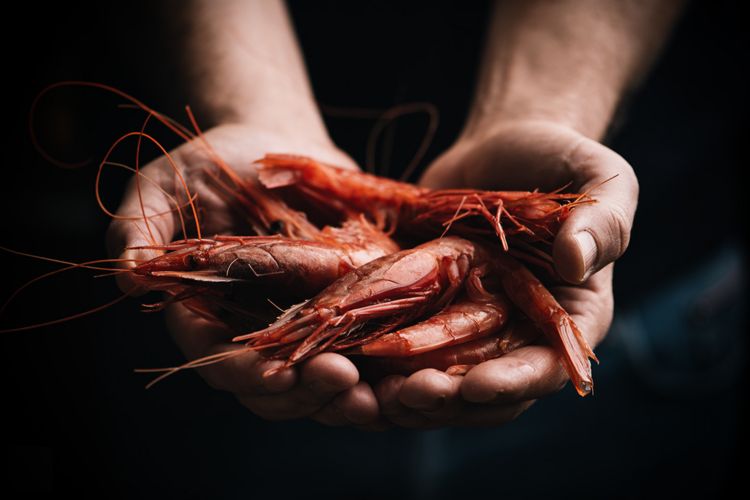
524, 156
547, 157
326, 387
238, 147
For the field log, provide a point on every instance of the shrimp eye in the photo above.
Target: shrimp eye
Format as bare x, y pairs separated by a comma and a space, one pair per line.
276, 226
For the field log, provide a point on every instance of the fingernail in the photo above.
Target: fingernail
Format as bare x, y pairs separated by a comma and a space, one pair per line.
588, 250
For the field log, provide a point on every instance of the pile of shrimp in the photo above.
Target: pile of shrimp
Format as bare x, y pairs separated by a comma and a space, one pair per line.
398, 276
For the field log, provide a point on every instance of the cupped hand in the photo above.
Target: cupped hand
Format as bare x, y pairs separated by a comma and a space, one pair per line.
327, 387
525, 156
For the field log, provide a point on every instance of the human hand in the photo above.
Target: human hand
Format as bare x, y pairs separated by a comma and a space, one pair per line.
325, 388
527, 155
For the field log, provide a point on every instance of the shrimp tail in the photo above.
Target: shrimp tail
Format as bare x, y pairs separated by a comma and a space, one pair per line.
534, 300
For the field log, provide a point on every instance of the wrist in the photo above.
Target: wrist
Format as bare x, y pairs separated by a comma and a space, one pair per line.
586, 109
244, 66
562, 62
286, 115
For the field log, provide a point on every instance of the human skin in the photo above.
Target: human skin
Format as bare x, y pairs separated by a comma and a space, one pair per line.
551, 79
246, 78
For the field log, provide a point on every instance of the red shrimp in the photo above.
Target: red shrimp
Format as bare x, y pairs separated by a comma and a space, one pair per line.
457, 359
246, 276
393, 291
526, 216
534, 300
376, 298
366, 307
289, 258
477, 314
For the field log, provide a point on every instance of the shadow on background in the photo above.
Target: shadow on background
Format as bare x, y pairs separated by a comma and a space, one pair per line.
667, 415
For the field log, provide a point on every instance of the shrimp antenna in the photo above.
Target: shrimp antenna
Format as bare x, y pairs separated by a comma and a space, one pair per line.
82, 265
385, 118
586, 194
153, 183
196, 363
66, 318
92, 265
173, 165
168, 122
211, 151
138, 179
433, 119
180, 130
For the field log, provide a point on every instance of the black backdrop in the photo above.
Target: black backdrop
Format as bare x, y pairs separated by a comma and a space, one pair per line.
78, 419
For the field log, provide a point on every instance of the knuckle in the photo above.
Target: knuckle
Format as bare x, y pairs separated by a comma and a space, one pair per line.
619, 231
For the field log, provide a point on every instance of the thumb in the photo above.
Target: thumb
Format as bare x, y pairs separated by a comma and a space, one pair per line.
597, 234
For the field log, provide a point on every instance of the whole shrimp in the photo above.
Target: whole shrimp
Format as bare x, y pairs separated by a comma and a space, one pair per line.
459, 358
389, 293
232, 277
376, 298
292, 255
526, 217
475, 314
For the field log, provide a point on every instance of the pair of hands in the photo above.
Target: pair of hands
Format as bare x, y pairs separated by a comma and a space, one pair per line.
327, 388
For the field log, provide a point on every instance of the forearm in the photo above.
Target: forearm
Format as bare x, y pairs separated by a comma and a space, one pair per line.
244, 65
567, 61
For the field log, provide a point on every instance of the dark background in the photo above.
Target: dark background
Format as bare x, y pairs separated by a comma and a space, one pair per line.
77, 418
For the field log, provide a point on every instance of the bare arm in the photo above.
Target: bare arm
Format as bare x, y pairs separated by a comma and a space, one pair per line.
244, 66
552, 76
246, 78
567, 61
